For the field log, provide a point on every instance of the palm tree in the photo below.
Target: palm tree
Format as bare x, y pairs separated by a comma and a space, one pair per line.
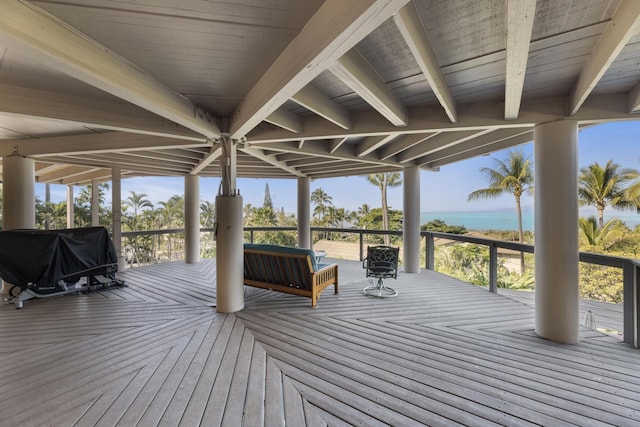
137, 202
605, 186
512, 175
207, 213
384, 181
595, 237
321, 211
172, 216
322, 201
361, 215
58, 215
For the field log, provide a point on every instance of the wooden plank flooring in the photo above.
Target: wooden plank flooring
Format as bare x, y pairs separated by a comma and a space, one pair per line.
441, 353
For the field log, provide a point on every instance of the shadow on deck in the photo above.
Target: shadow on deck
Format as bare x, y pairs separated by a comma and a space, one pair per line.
441, 353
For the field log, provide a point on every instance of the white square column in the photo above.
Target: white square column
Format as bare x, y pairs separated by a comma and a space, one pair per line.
556, 231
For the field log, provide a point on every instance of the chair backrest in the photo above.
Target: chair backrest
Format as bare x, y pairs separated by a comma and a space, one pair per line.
382, 261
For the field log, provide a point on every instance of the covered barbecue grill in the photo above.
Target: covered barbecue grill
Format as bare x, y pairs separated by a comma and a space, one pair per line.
44, 263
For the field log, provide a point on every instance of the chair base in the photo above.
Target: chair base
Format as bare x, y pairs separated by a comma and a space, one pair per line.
379, 290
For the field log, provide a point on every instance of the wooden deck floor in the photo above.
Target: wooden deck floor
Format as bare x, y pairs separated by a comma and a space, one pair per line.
441, 353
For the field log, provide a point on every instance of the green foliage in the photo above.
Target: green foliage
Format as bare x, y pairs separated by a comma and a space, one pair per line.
373, 221
601, 283
442, 227
266, 217
464, 261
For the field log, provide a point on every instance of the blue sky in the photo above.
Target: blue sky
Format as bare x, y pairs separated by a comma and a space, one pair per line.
443, 191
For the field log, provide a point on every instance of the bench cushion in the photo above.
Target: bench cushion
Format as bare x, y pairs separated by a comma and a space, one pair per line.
285, 250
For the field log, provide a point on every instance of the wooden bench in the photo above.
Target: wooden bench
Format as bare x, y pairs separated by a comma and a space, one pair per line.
285, 269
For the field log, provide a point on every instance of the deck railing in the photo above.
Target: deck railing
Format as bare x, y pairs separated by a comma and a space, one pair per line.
630, 267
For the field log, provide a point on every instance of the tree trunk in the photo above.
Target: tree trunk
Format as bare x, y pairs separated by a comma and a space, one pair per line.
600, 217
47, 204
520, 232
385, 213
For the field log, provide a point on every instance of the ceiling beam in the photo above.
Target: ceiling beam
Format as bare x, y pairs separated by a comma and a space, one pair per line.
319, 102
485, 149
127, 163
372, 143
91, 143
404, 143
47, 38
43, 168
286, 120
355, 72
259, 154
332, 31
634, 99
90, 112
100, 174
622, 27
343, 153
359, 171
214, 154
91, 163
471, 144
439, 142
410, 25
336, 143
520, 14
311, 161
472, 116
67, 172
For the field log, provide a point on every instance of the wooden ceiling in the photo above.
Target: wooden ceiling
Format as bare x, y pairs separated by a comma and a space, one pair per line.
308, 88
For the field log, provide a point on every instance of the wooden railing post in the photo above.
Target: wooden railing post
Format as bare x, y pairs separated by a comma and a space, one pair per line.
361, 246
493, 268
429, 258
631, 303
251, 236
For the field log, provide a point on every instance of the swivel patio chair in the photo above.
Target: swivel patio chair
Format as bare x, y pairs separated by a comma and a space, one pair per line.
381, 263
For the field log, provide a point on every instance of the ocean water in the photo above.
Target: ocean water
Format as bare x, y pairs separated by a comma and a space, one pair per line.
501, 220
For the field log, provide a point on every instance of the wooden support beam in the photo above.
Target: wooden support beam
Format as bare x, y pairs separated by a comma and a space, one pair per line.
634, 99
484, 149
471, 144
404, 143
213, 155
332, 31
90, 112
46, 38
439, 142
622, 27
336, 143
372, 143
520, 14
286, 120
66, 172
343, 153
259, 154
100, 174
408, 22
317, 101
92, 143
355, 72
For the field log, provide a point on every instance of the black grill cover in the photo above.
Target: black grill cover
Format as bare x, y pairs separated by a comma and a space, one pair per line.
43, 257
